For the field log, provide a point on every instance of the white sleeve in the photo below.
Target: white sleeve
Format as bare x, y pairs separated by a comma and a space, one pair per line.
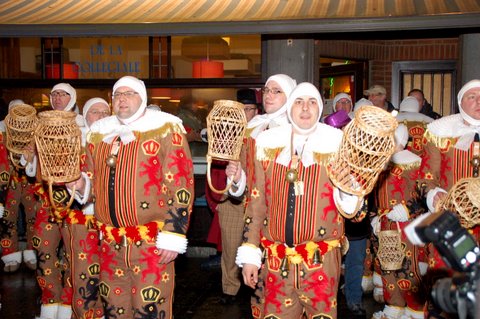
430, 195
82, 199
30, 168
247, 254
240, 186
172, 241
348, 203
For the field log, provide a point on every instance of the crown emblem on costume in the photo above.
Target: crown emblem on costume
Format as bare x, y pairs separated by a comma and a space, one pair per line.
404, 284
150, 147
397, 171
150, 294
183, 196
177, 139
6, 243
94, 269
4, 176
416, 131
104, 289
60, 195
36, 241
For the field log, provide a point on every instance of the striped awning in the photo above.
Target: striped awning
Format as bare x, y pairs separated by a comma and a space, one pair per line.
47, 12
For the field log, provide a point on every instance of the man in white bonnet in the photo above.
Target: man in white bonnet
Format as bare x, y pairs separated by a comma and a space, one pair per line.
293, 214
63, 97
452, 149
143, 190
415, 121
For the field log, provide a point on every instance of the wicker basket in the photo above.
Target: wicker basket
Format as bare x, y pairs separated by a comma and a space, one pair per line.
390, 252
58, 140
367, 145
226, 124
464, 199
20, 124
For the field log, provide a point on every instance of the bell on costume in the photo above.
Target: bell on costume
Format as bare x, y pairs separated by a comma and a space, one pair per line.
317, 259
111, 161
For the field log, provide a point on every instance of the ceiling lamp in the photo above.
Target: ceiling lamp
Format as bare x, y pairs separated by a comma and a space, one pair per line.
207, 69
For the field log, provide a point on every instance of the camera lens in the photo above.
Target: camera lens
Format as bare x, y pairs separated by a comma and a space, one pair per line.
443, 294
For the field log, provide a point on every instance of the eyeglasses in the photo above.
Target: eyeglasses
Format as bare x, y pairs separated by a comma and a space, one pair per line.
106, 113
59, 94
266, 90
127, 94
246, 109
344, 102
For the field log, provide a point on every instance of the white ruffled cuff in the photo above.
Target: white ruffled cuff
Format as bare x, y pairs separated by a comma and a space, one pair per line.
240, 186
399, 213
423, 267
82, 198
172, 241
430, 195
348, 203
88, 209
247, 254
2, 210
30, 168
375, 223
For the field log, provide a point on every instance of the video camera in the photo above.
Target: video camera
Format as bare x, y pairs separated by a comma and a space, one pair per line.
460, 251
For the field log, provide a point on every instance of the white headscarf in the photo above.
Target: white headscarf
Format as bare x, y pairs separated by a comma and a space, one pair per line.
70, 90
124, 131
303, 89
89, 104
263, 121
138, 86
15, 102
467, 134
338, 97
401, 135
410, 104
362, 102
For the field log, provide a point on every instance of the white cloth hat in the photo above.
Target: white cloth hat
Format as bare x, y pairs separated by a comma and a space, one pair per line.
401, 135
15, 102
138, 86
286, 83
363, 101
304, 88
338, 97
410, 104
89, 104
469, 85
70, 90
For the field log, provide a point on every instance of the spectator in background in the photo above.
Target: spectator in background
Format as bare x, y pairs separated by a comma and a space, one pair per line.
230, 212
377, 94
425, 107
190, 119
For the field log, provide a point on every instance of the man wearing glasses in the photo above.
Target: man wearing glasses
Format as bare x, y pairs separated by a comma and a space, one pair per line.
143, 192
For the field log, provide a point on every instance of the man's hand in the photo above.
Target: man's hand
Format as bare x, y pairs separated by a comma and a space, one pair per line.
438, 199
166, 256
234, 170
250, 275
78, 185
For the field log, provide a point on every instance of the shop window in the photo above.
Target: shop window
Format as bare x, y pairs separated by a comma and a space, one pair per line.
20, 58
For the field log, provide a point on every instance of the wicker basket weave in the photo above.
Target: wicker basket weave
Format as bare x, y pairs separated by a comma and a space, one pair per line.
464, 199
367, 145
226, 124
20, 124
390, 252
58, 140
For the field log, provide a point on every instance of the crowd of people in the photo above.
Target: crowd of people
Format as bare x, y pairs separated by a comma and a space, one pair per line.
287, 231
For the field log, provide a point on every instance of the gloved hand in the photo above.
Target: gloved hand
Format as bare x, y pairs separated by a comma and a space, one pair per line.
375, 222
399, 213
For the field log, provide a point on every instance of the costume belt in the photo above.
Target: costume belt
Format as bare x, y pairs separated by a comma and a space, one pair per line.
130, 234
76, 217
310, 252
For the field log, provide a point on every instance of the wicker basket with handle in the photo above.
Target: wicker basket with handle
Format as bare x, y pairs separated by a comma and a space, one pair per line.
367, 145
20, 124
58, 141
390, 251
226, 124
